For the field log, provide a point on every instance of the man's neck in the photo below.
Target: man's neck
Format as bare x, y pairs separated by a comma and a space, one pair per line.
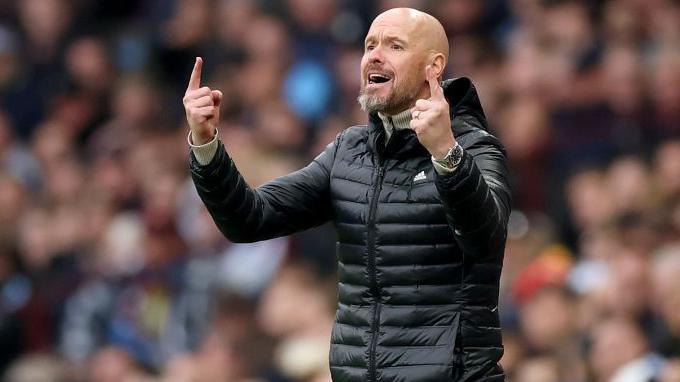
397, 121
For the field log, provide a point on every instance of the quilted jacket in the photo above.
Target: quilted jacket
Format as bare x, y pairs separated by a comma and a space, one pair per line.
419, 257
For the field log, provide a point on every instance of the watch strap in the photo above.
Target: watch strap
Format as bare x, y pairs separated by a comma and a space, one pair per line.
452, 158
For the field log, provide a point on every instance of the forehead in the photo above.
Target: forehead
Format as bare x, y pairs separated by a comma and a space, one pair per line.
392, 25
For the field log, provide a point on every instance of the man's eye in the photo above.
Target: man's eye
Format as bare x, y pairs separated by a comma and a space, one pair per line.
397, 47
369, 47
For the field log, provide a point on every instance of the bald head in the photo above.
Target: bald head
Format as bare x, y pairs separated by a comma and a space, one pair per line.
401, 46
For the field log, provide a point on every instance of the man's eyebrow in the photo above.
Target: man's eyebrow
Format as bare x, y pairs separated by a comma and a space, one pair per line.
387, 38
395, 39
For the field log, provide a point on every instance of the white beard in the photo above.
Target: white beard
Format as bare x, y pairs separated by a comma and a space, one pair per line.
396, 100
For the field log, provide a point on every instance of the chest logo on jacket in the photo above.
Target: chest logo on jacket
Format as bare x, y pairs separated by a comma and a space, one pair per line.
419, 177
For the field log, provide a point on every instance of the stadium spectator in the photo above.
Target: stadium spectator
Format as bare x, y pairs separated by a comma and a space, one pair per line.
584, 95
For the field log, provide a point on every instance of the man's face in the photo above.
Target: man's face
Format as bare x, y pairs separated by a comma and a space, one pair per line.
392, 67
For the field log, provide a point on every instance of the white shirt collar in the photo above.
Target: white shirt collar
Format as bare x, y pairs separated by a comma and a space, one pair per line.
398, 121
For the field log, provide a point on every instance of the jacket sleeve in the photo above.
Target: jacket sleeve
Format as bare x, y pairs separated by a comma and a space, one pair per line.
476, 196
285, 205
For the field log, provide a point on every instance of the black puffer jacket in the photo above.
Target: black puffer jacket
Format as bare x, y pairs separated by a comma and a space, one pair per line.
419, 258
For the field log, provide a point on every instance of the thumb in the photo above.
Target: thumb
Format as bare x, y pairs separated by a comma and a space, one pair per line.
217, 97
436, 92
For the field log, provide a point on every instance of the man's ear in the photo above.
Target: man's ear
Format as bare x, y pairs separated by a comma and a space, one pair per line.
438, 63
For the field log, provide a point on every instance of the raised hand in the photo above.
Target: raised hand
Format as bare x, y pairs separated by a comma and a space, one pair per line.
202, 106
430, 119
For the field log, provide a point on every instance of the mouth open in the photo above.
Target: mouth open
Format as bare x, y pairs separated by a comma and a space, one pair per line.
378, 78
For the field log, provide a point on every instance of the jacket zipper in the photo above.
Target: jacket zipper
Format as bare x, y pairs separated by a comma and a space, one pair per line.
372, 272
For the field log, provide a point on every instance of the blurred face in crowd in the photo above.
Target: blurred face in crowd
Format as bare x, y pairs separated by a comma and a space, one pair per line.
671, 372
111, 364
397, 48
538, 370
616, 341
588, 200
626, 180
667, 168
544, 334
666, 281
295, 304
44, 20
666, 284
12, 201
628, 290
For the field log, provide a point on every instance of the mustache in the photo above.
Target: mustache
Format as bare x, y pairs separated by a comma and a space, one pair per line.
378, 68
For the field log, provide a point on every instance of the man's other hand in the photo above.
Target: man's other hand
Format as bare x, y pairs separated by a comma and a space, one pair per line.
430, 119
202, 106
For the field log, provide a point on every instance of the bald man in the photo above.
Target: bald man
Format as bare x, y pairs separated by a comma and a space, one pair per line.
420, 200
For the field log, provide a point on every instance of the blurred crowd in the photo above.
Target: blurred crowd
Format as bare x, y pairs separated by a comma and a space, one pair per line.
112, 270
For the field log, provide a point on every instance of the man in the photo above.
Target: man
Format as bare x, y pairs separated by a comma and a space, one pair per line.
420, 200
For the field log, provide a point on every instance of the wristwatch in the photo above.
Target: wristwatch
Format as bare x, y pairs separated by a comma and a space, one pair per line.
452, 158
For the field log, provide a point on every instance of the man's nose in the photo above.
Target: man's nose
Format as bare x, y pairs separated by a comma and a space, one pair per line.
375, 55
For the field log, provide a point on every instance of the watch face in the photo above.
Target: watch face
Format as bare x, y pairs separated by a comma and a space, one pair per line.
456, 155
452, 158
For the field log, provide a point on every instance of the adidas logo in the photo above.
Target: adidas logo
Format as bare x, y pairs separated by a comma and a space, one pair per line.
420, 176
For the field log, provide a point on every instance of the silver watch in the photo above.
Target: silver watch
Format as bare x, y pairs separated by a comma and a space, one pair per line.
452, 158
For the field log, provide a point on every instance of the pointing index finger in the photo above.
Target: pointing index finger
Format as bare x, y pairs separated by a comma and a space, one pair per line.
436, 91
195, 79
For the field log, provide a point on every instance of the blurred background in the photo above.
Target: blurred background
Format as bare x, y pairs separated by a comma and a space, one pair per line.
112, 270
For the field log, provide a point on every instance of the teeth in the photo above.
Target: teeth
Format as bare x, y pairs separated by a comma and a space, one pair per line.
379, 78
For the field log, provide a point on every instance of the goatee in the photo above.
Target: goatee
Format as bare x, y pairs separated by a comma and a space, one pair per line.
396, 100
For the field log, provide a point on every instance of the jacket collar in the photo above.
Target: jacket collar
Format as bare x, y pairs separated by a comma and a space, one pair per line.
463, 100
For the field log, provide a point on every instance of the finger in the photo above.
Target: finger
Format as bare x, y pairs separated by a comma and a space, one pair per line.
203, 101
217, 97
414, 124
422, 105
205, 111
417, 114
436, 91
195, 79
192, 95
